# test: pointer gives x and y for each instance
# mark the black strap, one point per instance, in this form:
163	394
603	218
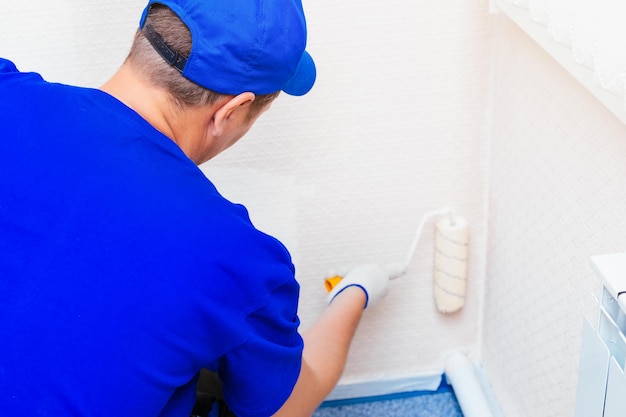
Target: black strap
209	397
170	55
208	405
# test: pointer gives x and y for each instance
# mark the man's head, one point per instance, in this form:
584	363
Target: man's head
239	45
215	60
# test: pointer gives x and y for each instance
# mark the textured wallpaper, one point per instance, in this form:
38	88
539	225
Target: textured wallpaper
80	42
557	197
396	126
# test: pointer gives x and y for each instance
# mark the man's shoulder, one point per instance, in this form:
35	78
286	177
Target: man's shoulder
7	66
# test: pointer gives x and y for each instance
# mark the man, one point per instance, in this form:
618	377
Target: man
123	271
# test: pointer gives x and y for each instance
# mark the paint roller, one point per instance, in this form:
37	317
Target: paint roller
450	260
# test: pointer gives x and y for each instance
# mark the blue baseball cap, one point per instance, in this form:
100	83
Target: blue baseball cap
241	45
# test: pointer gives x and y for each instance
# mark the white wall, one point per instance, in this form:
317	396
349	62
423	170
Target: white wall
78	42
395	127
557	197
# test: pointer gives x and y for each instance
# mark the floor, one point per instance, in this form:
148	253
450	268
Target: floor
441	403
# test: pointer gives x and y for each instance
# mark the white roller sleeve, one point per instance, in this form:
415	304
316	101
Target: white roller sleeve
450	270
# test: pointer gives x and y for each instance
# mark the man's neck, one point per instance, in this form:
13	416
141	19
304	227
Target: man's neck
148	101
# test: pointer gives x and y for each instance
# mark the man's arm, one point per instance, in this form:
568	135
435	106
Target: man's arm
326	345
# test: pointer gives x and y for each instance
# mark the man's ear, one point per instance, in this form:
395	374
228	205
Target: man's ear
232	111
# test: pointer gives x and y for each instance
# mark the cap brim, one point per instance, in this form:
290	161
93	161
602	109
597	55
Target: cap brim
304	78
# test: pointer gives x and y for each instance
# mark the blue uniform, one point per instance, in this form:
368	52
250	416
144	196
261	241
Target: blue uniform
123	271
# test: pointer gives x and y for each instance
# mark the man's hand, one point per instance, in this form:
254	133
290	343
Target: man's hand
373	279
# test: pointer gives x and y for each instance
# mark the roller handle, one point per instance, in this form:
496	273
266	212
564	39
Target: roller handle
331	282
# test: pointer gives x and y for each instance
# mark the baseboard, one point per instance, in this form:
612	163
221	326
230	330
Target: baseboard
382	388
465	377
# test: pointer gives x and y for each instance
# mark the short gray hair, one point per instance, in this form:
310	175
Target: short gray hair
147	61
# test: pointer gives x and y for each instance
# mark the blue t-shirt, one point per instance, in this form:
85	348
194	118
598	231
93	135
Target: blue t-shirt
123	271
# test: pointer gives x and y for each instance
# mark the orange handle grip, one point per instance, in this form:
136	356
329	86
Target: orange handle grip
330	283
